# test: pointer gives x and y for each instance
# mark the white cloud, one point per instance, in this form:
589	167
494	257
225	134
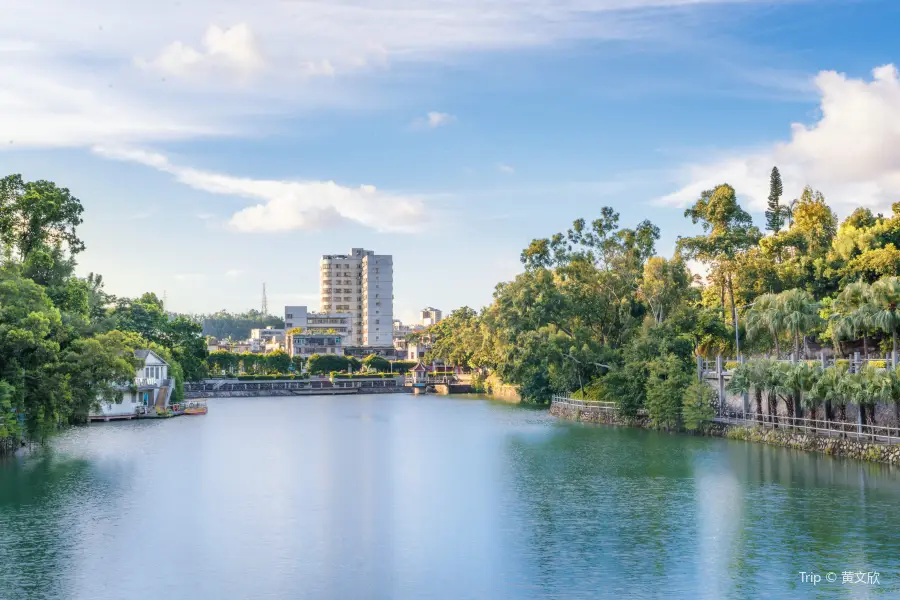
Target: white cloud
507	169
851	152
292	205
234	273
76	85
433	120
232	49
436	119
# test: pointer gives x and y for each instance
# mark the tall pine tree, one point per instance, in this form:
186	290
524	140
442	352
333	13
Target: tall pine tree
775	214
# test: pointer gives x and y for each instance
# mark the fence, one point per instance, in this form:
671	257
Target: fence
860	431
821	427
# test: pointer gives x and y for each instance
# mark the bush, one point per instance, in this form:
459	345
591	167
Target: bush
665	387
731	365
595	390
266	377
699	399
878	364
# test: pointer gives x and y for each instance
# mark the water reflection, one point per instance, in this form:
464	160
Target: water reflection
409	498
611	512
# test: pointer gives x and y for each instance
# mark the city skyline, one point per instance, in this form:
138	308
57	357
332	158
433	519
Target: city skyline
240	143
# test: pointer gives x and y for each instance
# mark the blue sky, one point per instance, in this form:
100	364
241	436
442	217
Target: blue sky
217	146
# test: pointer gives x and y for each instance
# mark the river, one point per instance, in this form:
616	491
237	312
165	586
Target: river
401	497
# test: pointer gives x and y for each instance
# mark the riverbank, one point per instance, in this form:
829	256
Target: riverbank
859	449
336	391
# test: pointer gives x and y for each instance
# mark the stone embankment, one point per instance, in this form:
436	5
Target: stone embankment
860	449
848	447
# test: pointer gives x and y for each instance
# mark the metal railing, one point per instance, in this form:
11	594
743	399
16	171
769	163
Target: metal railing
432	379
822	427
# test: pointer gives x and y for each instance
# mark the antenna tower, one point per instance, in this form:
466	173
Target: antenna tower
265	303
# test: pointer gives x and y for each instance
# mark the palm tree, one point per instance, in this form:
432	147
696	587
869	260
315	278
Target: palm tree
885	298
788	211
829	389
815	392
889	390
797	379
747	377
765	318
800	314
852	314
770	382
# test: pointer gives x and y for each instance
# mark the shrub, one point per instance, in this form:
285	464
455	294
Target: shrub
731	365
699	399
878	364
665	388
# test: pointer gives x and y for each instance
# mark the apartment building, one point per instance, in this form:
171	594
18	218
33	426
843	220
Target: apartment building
362	284
431	316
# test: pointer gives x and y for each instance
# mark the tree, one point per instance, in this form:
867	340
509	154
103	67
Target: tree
319	364
376	363
666	387
699	399
664	285
800	314
728	231
852	312
31	332
815	221
278	361
184	338
830	388
766	319
96	369
885	298
144	315
775	214
888	390
38	214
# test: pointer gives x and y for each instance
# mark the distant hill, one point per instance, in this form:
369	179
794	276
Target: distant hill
222	325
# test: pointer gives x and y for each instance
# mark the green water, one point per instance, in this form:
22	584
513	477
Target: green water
402	497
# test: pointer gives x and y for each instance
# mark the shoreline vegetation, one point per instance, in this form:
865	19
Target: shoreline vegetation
806	306
785	437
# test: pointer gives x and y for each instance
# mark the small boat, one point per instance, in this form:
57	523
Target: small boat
196	407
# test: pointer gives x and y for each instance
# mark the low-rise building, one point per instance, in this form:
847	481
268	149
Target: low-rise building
305	345
339	323
388	352
151	388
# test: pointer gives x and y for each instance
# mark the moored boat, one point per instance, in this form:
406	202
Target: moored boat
196	407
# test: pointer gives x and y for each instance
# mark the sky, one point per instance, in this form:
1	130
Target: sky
217	145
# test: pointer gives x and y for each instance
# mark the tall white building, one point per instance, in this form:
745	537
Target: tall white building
360	283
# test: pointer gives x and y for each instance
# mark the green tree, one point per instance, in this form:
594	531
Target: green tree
852	312
728	232
376	363
38	214
278	361
766	320
885	298
800	315
664	285
775	214
666	387
699	399
96	369
320	364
